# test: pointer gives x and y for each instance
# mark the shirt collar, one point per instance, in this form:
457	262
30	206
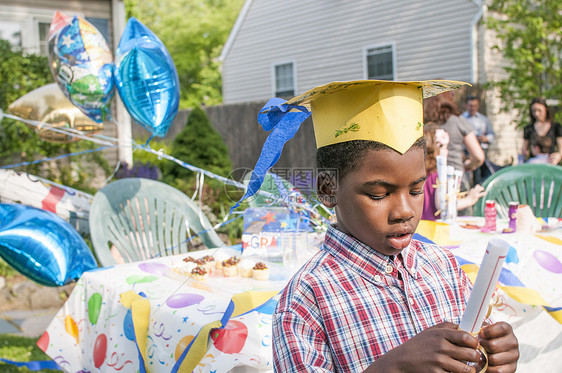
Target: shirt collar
365	260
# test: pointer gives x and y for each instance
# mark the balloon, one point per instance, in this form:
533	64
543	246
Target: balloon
100	350
180	300
231	338
42	246
43	342
146	78
94	306
82	64
139	279
548	261
128	326
155	268
182	345
71	327
48	104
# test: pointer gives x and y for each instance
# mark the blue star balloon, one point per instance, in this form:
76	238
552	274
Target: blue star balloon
42	246
146	78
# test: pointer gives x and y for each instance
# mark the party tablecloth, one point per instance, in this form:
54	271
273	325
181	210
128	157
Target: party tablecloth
144	316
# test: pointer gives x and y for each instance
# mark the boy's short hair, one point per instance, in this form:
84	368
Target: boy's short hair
347	156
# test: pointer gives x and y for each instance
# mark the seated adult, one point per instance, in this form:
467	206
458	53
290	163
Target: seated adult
543	135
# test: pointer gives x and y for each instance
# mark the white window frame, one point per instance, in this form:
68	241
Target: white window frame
366	49
274	80
29	18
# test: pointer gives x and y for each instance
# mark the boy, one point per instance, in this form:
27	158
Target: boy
374	299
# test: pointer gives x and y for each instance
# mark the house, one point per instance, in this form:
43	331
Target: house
25	23
284	48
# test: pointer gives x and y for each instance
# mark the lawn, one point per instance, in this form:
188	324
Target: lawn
20	349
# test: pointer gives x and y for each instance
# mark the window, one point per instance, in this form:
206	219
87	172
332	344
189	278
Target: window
11	31
284	80
43	32
102	24
379	62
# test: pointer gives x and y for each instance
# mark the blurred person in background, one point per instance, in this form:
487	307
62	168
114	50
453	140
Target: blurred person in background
436	140
542	135
484	133
441	109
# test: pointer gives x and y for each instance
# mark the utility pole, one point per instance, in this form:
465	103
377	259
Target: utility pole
124	133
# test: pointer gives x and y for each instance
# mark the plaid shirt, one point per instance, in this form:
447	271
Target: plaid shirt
350	304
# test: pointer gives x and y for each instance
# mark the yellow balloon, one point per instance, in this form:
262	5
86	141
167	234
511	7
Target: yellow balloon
182	345
48	104
71	327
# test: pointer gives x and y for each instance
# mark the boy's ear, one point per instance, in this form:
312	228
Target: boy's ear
326	183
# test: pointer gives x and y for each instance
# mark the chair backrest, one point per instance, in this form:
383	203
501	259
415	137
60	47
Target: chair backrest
144	218
536	185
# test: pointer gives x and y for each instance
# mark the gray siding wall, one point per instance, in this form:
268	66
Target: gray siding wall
326	41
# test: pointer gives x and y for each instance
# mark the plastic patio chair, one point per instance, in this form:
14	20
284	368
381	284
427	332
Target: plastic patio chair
536	185
143	219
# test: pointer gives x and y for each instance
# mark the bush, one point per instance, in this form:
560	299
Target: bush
200	145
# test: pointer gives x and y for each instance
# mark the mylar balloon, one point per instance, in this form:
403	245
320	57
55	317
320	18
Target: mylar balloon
82	64
48	104
42	246
146	78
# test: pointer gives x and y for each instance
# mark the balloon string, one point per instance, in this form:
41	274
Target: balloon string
112	142
57	157
69	131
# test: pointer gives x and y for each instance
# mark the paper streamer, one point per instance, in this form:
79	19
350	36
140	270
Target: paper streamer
484	285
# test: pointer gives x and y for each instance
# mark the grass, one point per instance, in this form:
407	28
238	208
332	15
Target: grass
18	348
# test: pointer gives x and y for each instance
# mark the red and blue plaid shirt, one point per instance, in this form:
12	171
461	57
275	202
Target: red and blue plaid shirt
350	304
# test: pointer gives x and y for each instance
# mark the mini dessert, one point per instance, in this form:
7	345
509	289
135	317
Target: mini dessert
219	258
246	268
199	273
189	259
210	263
182	267
261	272
230	266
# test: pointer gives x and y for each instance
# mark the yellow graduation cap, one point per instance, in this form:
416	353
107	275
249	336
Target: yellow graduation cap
380	110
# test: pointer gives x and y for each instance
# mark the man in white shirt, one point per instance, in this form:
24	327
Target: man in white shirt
484	132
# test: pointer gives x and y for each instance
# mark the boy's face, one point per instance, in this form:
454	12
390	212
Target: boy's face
381	202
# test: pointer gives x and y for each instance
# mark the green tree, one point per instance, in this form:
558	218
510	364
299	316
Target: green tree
194	32
200	145
530	32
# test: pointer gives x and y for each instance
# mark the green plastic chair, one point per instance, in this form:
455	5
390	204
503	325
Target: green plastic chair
536	185
143	219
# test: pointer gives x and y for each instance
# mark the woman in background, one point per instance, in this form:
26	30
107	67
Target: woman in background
441	109
436	140
542	136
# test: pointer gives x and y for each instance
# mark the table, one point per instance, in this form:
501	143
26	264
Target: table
95	329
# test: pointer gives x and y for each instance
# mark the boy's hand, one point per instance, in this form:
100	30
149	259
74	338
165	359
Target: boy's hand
441	348
501	345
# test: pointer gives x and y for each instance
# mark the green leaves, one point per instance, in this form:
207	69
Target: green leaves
194	32
530	37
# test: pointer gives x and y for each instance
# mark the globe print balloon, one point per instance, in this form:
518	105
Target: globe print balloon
81	64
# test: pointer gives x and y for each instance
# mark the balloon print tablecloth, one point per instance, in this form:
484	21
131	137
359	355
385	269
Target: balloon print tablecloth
118	317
